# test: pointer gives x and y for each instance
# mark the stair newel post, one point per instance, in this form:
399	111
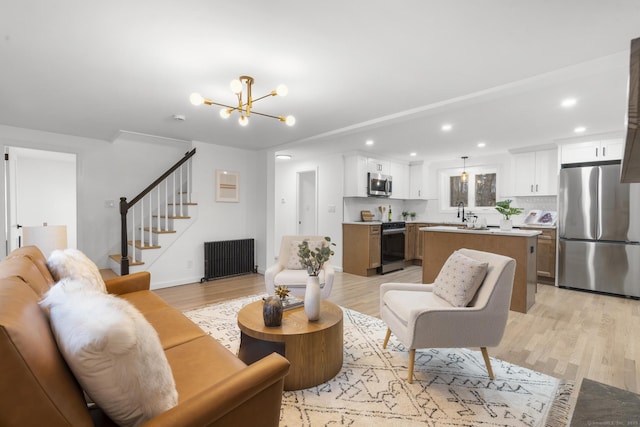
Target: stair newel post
189	181
158	213
124	260
181	192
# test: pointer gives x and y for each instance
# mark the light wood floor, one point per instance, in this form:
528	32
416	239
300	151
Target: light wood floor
566	334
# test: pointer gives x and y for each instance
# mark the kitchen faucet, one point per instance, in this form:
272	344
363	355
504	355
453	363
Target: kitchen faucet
461	205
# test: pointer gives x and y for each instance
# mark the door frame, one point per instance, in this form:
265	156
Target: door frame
12	153
302	196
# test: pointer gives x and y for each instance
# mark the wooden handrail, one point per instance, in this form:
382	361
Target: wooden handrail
125	206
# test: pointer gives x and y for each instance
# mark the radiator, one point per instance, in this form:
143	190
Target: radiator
228	258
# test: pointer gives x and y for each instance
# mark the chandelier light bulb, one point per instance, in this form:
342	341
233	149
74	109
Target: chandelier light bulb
225	113
282	90
243	120
235	86
290	121
196	99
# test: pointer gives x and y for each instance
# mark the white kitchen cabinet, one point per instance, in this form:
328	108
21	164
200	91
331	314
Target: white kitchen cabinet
356	168
355	176
422	182
400	175
536	173
592	151
379	166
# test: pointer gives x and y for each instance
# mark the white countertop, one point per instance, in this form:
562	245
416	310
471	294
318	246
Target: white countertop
495	231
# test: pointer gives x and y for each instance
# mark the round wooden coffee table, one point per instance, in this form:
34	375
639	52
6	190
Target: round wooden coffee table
314	349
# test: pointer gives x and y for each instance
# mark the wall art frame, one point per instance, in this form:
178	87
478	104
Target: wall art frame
227	186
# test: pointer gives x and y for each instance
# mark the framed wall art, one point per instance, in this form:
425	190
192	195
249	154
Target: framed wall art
227	186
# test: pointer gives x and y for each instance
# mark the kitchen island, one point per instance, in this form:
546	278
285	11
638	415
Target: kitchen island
522	245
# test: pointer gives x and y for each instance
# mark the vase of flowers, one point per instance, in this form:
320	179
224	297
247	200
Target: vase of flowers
504	207
313	260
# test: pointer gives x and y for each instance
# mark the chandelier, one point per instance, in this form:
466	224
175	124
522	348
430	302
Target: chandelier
245	106
465	176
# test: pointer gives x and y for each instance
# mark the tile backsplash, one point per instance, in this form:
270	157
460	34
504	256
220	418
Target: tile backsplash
429	211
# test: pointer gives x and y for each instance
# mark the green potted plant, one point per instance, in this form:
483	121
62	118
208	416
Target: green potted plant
312	261
412	215
505	209
405	214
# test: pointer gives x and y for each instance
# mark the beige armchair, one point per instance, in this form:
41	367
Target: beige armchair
288	271
421	319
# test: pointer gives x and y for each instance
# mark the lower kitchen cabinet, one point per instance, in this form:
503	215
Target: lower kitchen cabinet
413	241
361	248
546	258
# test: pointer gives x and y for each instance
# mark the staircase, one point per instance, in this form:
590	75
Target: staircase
158	216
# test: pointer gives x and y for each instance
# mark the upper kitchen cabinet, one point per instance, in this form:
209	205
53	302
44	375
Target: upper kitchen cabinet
356	168
379	166
536	173
422	182
355	176
400	174
592	151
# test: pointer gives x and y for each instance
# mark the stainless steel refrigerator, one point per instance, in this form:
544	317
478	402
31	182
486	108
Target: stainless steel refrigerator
599	231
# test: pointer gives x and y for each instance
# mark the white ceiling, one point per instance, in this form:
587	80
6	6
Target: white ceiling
390	71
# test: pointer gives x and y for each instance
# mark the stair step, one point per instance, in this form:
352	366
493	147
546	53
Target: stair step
142	245
156	231
183	203
118	257
172	217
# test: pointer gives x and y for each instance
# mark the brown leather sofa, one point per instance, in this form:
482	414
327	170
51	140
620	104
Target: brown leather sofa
37	388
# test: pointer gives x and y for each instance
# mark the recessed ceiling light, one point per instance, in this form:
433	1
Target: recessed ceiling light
283	156
481	144
413	154
580	129
568	103
369	142
446	127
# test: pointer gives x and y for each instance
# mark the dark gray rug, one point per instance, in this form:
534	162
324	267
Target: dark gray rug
604	405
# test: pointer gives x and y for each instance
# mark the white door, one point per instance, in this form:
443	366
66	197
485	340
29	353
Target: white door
307	205
41	190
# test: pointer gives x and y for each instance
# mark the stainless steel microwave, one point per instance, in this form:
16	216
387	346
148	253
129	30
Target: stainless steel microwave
379	185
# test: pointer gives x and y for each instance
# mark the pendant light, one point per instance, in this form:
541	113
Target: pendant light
465	176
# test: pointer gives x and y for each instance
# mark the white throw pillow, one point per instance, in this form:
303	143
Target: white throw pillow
113	351
459	279
293	263
72	263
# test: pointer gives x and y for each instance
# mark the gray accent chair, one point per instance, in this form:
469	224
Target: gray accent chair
420	319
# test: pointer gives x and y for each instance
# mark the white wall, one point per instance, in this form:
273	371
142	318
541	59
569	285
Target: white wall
330	180
106	171
109	170
183	262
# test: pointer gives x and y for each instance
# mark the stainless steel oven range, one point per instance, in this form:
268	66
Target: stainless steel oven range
392	246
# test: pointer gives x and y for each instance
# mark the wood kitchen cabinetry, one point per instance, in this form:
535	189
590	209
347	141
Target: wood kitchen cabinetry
413	241
521	245
361	248
410	239
546	258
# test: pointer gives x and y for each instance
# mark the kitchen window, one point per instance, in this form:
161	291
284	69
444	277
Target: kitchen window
478	193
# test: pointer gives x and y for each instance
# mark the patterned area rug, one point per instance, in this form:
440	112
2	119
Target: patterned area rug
451	386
